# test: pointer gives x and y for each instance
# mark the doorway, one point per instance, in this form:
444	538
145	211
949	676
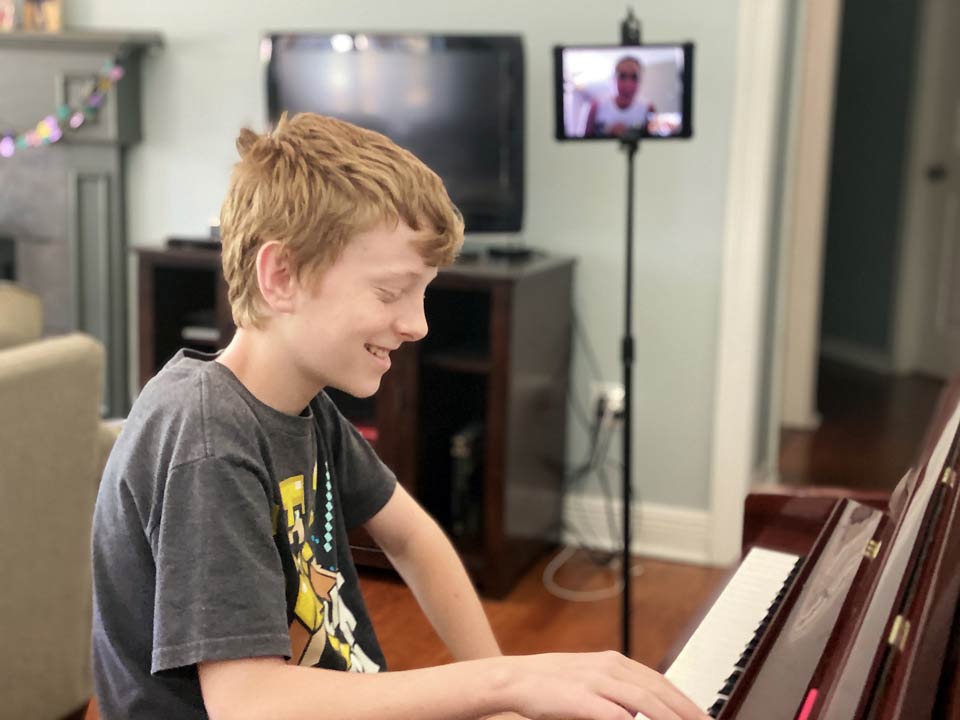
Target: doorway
865	381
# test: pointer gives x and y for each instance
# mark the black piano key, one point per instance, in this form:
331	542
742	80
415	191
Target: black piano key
741	664
734	676
730	683
715	709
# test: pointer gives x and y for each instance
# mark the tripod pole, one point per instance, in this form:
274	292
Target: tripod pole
629	142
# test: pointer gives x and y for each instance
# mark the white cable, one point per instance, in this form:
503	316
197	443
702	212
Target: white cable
606	425
557	590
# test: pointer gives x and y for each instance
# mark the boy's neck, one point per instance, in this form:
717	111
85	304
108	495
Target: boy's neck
258	365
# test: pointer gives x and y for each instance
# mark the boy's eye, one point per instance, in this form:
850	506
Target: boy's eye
388	296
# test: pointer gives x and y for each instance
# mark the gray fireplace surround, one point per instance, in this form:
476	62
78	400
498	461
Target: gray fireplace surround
62	217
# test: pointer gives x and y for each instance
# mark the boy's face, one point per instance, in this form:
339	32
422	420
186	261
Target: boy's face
362	307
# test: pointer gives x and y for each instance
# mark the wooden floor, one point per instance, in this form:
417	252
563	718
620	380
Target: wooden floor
871	430
531	620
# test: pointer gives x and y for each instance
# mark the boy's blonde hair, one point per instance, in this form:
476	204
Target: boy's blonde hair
312	184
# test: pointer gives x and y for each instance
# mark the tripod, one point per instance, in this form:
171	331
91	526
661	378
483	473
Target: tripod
629	141
629	35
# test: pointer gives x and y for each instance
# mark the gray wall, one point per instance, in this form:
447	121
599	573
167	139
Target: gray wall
207	82
870	141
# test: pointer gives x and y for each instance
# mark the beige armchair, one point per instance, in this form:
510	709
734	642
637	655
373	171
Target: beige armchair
52	448
21	315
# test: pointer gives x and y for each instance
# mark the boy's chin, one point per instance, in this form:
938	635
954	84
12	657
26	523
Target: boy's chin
359	389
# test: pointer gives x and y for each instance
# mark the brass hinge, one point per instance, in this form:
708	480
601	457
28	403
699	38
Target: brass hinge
872	549
899	633
949	477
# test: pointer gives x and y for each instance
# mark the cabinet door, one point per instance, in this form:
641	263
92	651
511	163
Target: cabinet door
395	439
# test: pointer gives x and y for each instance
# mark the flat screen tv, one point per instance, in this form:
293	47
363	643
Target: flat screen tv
455	101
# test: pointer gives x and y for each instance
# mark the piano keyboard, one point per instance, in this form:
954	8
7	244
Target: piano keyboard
713	659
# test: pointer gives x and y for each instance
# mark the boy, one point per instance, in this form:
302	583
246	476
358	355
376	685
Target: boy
223	581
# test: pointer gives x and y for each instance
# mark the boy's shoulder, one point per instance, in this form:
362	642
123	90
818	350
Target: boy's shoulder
196	408
187	406
191	382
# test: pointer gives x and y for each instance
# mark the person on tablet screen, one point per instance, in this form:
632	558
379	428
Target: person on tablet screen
612	115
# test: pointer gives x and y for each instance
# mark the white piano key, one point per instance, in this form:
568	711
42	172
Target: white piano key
708	658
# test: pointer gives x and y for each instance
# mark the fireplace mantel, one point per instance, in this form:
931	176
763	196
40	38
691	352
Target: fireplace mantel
62	207
104	41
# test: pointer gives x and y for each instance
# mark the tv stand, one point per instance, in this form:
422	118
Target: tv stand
194	243
512	253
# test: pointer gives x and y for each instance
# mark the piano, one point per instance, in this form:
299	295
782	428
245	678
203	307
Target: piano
845	605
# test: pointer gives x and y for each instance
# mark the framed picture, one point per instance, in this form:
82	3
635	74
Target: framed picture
8	15
43	15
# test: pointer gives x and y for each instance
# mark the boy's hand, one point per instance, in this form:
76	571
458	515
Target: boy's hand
592	686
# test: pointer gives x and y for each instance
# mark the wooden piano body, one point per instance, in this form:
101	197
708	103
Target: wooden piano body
867	624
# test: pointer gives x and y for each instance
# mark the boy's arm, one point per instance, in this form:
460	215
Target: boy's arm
589	686
425	559
255	688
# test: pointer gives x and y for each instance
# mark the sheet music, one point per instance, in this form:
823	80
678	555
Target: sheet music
711	654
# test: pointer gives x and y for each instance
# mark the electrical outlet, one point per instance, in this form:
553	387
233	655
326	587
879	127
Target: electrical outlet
607	396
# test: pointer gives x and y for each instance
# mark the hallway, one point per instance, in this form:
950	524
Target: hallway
871	430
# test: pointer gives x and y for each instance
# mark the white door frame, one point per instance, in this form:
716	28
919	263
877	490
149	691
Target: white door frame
760	43
760	53
805	216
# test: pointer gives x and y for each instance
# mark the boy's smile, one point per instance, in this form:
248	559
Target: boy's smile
381	354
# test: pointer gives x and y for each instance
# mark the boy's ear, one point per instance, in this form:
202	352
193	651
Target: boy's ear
276	277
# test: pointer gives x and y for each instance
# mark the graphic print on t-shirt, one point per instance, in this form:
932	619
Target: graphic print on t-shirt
322	631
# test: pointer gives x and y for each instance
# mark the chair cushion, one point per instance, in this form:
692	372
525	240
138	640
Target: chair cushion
21	315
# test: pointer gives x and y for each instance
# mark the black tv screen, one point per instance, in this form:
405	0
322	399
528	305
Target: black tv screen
455	101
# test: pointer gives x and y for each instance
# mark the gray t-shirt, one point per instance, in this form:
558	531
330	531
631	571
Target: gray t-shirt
220	532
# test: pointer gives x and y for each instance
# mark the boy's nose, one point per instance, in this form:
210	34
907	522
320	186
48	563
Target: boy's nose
412	325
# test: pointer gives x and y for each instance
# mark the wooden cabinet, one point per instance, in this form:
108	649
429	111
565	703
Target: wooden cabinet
472	419
182	303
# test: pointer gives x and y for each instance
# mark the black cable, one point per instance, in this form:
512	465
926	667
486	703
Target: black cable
591	356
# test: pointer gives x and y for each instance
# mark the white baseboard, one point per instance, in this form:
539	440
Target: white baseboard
665	532
857	355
